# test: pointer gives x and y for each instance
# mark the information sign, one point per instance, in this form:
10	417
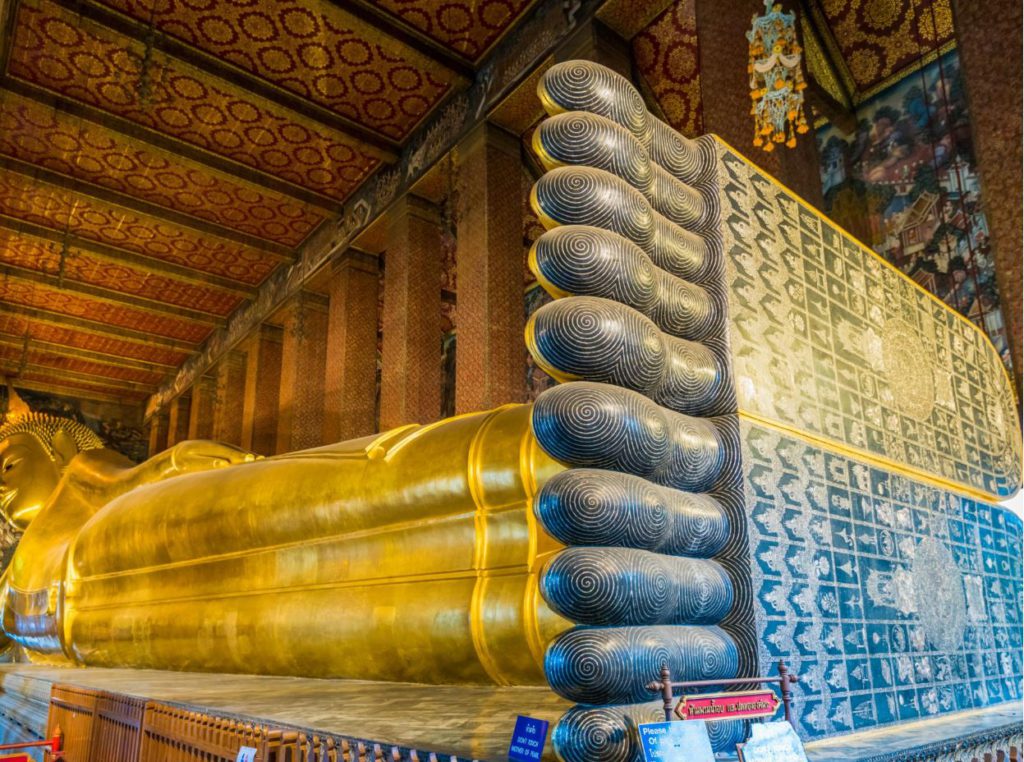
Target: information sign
772	742
728	706
246	754
528	740
675	742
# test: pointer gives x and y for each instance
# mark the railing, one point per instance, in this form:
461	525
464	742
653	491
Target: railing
53	746
667	688
110	727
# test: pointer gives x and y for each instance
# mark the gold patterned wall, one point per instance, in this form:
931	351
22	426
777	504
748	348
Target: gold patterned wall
830	341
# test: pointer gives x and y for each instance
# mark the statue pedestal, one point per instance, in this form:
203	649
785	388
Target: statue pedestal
469	723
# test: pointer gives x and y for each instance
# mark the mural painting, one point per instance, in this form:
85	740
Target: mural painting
910	172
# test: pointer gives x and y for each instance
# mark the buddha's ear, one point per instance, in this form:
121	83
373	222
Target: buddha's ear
64	448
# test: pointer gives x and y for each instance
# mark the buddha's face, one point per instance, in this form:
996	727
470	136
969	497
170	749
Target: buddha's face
28	476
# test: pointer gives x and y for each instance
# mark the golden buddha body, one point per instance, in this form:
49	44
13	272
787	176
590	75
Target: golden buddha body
360	559
582	541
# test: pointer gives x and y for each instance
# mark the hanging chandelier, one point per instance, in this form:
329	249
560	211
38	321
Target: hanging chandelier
776	78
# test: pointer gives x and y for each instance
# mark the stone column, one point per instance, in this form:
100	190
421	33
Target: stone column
262	390
177	423
350	382
303	361
411	362
227	416
725	89
158	433
489	257
200	417
989	42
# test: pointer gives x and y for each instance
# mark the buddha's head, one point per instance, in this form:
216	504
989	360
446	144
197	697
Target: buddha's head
35	448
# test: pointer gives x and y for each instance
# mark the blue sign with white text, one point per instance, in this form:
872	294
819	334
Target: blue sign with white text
528	740
676	741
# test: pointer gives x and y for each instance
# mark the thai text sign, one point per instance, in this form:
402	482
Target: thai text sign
728	706
528	739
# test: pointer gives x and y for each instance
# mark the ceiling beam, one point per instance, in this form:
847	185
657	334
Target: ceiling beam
539	34
167	143
110	296
85	354
384	22
830	46
273	249
62	390
374	142
121	257
102	329
12	369
44	361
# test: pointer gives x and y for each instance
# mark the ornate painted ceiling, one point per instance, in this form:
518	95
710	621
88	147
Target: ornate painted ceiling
160	159
855	48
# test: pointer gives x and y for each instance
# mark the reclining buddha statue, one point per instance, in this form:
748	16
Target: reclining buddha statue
725	356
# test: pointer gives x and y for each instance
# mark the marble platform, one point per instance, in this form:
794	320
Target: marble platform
472	723
922	739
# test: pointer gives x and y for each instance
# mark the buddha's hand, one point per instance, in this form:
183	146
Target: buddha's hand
203	455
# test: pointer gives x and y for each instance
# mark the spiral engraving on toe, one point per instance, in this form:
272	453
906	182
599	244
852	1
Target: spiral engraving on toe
586	86
683	158
587	196
596	735
608	734
598	340
694	455
625	586
680	203
582	139
610	665
691	376
585	506
601	426
682	309
588	261
677	251
586	424
592	339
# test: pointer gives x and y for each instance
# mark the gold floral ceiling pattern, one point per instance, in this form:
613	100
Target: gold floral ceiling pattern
15	291
37	255
24	198
56	50
870	42
314	49
880	38
468	27
91	342
160	159
37	134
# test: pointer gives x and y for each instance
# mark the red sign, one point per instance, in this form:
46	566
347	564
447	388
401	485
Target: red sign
15	758
728	706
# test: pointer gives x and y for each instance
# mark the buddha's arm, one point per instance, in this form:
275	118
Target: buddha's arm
91	480
103	475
